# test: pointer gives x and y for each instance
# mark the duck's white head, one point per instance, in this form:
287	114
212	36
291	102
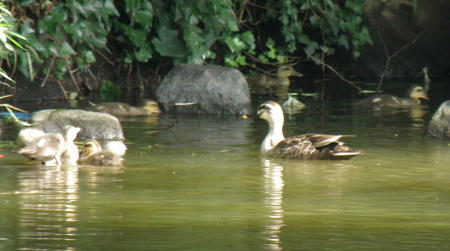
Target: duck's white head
273	114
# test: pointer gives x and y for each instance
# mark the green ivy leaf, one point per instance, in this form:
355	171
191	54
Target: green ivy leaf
66	50
144	54
168	43
89	57
234	44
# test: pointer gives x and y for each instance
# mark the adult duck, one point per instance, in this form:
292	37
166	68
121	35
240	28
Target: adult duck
414	96
93	154
304	147
53	148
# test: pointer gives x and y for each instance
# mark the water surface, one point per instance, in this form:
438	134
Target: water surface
199	183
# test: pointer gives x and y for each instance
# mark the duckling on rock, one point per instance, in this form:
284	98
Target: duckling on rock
304	147
415	94
119	109
92	154
50	147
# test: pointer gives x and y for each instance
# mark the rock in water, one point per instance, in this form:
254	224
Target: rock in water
210	89
439	126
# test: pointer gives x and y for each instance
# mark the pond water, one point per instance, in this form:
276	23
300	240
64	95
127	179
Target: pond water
199	183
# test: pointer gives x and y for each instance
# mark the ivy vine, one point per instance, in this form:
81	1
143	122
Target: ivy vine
68	36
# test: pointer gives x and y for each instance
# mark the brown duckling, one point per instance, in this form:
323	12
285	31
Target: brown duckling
263	83
92	154
415	94
304	147
125	110
50	147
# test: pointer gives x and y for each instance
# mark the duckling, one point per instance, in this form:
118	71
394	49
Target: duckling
125	110
304	147
28	134
50	147
92	154
263	83
71	155
293	105
415	94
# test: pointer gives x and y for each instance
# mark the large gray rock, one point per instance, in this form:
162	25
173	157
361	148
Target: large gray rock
439	126
207	89
94	125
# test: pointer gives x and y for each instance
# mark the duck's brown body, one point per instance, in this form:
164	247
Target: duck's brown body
312	147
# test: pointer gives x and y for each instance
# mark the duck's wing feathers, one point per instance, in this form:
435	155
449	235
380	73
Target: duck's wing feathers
321	140
313	146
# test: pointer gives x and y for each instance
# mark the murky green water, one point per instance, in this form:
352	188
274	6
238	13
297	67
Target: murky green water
200	184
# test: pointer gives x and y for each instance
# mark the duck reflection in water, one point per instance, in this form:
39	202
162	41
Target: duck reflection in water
273	201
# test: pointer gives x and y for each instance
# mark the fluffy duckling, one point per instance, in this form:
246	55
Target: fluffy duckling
304	147
261	83
71	155
293	105
415	94
50	147
28	134
125	110
92	154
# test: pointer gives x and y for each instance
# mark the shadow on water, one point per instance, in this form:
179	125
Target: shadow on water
194	183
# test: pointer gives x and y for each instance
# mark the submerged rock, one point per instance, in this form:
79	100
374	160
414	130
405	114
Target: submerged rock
439	126
94	125
207	89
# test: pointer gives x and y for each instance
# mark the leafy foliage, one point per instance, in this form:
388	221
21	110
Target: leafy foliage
320	27
7	38
67	36
109	91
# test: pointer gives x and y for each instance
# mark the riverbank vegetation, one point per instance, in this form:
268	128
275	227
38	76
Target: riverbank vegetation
65	39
